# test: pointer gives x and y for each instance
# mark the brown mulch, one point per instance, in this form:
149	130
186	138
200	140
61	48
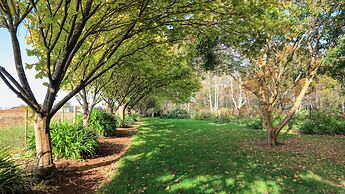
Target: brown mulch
334	150
83	177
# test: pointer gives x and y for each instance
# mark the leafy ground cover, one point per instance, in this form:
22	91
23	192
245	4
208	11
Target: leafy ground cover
193	156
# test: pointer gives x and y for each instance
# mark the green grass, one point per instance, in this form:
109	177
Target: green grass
192	156
14	138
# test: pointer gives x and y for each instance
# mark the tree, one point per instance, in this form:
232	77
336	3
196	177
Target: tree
63	33
90	96
282	45
158	69
334	62
289	62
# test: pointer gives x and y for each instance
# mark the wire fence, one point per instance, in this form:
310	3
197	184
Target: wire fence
16	124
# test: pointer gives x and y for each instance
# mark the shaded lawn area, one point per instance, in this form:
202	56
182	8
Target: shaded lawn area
192	156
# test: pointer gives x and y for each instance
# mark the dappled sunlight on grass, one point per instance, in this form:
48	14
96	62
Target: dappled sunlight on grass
192	156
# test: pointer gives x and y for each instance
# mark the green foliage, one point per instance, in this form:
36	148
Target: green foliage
177	114
135	117
132	118
206	49
11	178
121	123
298	119
129	120
254	122
103	123
334	62
224	115
70	141
323	123
202	115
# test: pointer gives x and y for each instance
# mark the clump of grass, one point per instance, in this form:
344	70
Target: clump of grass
70	141
11	177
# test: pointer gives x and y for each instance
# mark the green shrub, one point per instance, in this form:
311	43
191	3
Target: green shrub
129	120
252	122
134	117
224	115
177	114
204	115
71	141
121	122
103	123
298	119
11	178
323	123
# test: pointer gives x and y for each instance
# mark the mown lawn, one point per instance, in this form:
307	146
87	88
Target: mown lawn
192	156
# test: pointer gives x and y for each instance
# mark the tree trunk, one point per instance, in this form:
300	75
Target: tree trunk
121	111
273	137
111	110
271	131
124	111
45	167
110	107
86	118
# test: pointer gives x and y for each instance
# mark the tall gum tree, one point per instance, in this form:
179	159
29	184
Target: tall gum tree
62	30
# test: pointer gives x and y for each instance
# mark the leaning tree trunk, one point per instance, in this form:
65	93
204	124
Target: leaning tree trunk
122	111
86	118
45	167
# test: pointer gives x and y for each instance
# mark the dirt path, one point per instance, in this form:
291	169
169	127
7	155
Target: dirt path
79	177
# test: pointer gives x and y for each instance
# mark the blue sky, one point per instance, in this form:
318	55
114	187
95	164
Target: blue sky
7	97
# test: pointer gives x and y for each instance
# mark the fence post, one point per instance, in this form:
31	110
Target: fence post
26	124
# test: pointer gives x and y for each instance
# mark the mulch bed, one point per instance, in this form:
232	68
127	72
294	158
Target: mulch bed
85	176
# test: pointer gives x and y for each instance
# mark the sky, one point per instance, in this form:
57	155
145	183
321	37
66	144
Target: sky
7	98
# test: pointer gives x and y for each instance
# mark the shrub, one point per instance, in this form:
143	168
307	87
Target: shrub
11	178
129	120
71	141
135	117
103	123
323	123
121	122
204	116
223	115
252	122
177	114
298	119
